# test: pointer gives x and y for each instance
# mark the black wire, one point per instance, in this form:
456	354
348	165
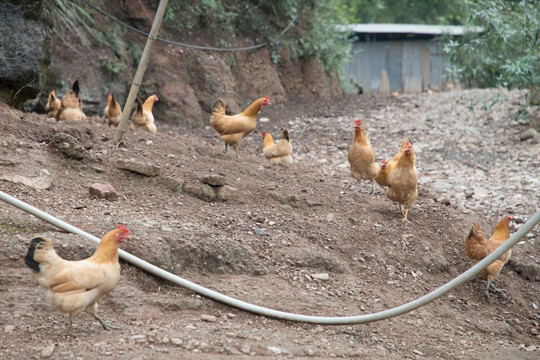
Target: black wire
258	46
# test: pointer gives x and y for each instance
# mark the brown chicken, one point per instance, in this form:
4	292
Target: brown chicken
280	153
143	117
113	112
402	180
478	247
71	105
76	286
382	177
233	128
362	157
53	104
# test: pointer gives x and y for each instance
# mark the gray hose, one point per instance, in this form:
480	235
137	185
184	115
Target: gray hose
345	320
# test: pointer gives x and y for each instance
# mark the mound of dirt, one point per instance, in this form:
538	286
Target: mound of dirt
305	238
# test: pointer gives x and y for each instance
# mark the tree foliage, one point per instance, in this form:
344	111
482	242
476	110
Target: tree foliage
440	12
507	52
246	22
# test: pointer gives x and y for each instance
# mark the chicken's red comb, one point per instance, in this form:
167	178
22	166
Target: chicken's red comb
357	121
123	228
384	161
263	133
266	98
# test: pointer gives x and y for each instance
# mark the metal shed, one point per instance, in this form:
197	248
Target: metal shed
400	57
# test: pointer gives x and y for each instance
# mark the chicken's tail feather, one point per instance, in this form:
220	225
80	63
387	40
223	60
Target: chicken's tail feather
75	87
285	134
29	258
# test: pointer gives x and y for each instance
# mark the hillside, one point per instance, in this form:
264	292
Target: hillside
283	227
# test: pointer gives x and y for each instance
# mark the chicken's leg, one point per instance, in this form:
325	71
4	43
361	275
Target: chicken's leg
405	213
372	189
401	209
70	326
226	148
103	323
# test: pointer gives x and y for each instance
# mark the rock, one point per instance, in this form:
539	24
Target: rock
47	351
208	193
41	182
26	28
208	318
9	328
528	134
139	168
138	338
213	180
245	349
103	191
201	191
68	145
177	341
225	193
260	232
173	184
321	276
330	217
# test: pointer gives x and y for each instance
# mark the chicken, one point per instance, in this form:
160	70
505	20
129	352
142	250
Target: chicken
76	286
143	117
362	157
71	105
233	128
478	247
402	180
279	153
386	167
113	111
53	104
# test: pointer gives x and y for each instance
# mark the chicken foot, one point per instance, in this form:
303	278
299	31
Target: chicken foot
496	289
103	323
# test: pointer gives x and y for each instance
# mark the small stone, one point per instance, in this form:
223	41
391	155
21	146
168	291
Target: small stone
246	349
208	318
214	180
173	184
9	328
176	341
528	134
264	120
321	276
225	193
103	191
138	338
330	217
260	232
138	167
47	351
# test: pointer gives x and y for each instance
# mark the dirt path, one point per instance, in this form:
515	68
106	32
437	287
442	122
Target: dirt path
285	228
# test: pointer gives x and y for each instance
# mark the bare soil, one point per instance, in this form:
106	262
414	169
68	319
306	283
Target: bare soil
264	246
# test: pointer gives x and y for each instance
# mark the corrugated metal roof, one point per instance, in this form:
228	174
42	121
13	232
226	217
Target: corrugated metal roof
408	29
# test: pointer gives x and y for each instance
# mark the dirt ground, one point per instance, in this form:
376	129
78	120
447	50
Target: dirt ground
306	238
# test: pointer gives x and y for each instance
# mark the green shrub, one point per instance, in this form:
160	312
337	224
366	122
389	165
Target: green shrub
506	53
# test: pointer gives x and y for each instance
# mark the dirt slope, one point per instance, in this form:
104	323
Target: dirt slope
284	227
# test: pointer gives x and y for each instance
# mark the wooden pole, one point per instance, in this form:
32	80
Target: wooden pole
140	72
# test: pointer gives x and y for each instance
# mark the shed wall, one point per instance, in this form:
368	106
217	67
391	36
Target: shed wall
411	65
